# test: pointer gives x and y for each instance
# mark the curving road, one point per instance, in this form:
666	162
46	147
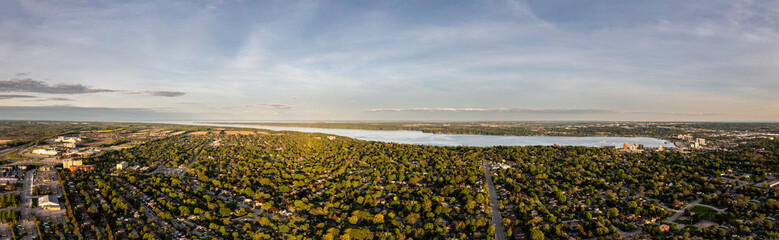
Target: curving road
497	219
678	214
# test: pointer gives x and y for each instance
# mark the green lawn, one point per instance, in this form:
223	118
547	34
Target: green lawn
704	212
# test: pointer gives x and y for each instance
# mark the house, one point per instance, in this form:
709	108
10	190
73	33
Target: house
664	228
48	203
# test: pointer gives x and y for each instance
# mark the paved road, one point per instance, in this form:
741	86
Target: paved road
194	159
681	211
15	149
497	219
720	210
623	234
659	204
26	223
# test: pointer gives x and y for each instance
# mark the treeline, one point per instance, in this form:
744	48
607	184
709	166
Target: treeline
9	200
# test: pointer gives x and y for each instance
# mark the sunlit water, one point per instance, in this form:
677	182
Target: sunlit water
418	137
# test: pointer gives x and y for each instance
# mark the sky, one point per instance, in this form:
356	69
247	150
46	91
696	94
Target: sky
389	60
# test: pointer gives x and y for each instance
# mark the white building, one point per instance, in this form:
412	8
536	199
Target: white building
48	202
67	139
51	152
122	165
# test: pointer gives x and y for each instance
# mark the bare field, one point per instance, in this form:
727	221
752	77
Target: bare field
239	132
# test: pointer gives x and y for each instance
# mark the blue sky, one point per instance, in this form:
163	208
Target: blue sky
390	60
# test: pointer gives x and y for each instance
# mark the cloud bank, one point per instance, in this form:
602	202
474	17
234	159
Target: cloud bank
30	85
36	86
6	96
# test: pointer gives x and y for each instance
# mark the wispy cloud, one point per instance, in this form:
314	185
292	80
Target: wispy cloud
190	103
259	105
158	93
59	99
36	86
351	102
5	96
35	98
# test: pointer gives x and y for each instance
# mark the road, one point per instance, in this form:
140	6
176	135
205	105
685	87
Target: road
681	211
720	210
194	159
497	219
659	204
26	222
623	234
15	149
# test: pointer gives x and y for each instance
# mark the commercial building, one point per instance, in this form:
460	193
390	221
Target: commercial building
50	152
48	202
122	165
82	168
67	139
67	163
46	168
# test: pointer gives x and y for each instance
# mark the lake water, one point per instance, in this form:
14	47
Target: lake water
417	137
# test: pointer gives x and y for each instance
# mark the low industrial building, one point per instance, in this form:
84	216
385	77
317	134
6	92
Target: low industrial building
50	152
67	139
49	202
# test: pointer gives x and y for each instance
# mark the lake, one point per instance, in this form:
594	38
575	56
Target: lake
418	137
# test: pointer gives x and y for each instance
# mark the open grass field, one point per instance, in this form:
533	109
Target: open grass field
704	212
